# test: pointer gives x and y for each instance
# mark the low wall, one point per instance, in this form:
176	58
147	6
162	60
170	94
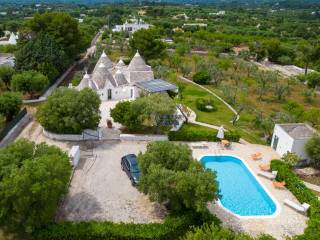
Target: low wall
16	130
86	135
142	137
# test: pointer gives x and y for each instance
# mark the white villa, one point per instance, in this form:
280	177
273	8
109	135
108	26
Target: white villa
119	81
131	27
11	41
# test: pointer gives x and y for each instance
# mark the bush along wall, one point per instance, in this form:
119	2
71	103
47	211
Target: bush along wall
172	228
303	194
190	132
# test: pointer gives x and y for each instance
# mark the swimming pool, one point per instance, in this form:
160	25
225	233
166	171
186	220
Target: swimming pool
240	191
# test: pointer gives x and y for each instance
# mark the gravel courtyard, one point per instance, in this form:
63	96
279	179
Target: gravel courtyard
100	190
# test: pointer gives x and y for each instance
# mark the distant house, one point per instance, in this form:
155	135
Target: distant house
136	25
11	41
220	13
292	137
195	25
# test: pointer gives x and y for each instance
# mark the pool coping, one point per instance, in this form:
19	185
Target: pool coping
278	207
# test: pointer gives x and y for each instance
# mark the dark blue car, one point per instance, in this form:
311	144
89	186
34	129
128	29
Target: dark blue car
129	164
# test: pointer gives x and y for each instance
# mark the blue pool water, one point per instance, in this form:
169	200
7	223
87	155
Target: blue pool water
240	191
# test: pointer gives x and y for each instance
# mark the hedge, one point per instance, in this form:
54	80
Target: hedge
172	228
303	194
192	132
202	104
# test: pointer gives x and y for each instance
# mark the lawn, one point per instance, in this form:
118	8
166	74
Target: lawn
222	116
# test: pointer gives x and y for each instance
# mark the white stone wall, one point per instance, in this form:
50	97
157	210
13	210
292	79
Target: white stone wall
92	135
118	93
285	142
141	137
299	148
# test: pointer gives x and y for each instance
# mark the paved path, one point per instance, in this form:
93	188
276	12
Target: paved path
213	94
192	119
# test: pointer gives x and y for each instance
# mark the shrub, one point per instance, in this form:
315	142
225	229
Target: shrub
210	232
170	175
120	111
155	111
29	82
6	74
313	150
69	111
313	79
303	194
172	228
205	105
291	159
191	132
10	104
201	77
32	180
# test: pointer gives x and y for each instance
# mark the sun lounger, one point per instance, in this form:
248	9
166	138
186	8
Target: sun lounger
270	175
199	145
256	156
277	184
264	167
303	208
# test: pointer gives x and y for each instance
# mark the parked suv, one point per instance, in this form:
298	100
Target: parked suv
129	164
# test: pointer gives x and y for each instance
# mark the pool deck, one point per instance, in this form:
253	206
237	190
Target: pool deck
286	222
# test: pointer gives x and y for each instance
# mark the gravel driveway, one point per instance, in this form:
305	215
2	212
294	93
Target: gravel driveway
100	190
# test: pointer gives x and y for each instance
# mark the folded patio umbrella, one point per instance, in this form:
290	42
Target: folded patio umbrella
220	133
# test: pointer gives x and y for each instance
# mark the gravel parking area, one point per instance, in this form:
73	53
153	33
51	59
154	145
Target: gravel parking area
100	190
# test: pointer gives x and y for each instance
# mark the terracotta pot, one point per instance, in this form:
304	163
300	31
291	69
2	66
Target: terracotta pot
109	123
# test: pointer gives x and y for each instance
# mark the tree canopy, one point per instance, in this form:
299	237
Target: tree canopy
69	111
29	82
170	175
6	74
153	111
62	27
43	54
10	104
313	150
148	44
32	180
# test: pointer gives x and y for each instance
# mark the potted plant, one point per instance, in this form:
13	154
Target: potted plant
109	123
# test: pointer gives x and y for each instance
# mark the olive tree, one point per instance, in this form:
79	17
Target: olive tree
313	149
69	111
10	104
32	181
170	175
29	82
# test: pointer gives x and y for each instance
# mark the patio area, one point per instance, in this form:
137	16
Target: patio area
287	222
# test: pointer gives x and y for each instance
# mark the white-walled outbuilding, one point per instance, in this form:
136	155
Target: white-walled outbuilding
292	137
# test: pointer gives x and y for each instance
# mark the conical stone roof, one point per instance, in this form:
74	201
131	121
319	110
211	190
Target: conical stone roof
101	75
84	82
105	60
120	64
138	64
120	78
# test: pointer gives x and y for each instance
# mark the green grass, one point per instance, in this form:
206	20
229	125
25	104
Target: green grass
222	116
